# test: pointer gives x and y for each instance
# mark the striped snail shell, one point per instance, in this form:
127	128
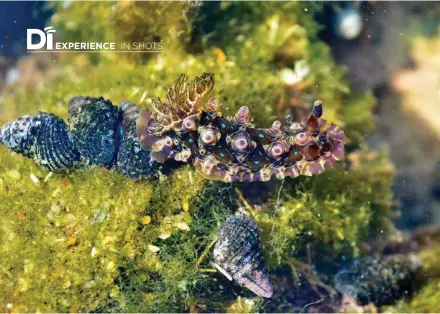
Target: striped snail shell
44	138
238	255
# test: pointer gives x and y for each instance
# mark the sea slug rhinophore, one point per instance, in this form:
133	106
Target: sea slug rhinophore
185	128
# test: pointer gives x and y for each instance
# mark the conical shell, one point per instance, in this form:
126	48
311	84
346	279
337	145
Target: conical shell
238	255
93	124
16	135
44	138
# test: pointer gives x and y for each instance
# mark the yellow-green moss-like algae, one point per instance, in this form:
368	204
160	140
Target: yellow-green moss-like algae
95	241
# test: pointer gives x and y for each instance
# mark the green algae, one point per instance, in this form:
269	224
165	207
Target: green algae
96	241
425	301
322	210
54	243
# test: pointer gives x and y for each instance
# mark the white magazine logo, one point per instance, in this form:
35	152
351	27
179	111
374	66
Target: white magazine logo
42	41
45	38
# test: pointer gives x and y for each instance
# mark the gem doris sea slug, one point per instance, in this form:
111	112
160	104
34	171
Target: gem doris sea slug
185	128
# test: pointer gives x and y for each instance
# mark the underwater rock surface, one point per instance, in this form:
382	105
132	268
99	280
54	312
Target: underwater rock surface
379	280
238	255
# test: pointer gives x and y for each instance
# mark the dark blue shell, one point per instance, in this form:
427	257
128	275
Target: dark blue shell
132	160
379	280
100	134
15	135
93	125
44	138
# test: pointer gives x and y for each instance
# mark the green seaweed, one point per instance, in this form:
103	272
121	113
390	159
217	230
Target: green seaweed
322	210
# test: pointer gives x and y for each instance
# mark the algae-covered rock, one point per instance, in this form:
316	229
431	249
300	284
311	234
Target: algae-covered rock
93	240
426	300
379	280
